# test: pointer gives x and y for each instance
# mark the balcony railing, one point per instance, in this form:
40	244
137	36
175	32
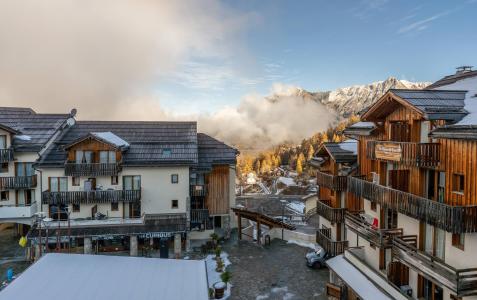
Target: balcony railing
6	155
455	219
336	183
333	248
463	282
411	154
381	238
103	196
18	182
92	169
198	190
17	212
334	215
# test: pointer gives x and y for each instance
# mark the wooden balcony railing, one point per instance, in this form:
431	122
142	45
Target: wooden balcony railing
18	182
333	248
463	282
92	169
6	155
412	154
336	183
381	238
198	190
103	196
334	215
455	219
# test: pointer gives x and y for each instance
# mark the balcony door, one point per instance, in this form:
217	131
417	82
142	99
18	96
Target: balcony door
133	183
3	141
429	290
84	157
400	131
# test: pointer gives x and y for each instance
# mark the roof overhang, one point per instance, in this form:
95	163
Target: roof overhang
386	105
91	136
9	129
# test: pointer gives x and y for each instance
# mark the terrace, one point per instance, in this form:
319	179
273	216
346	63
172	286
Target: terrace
323	238
92	169
336	183
18	182
97	196
334	215
6	155
381	238
412	154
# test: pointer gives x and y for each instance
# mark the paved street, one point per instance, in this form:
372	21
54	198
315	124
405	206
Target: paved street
277	271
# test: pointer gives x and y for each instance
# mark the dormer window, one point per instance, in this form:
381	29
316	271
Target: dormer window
84	157
107	157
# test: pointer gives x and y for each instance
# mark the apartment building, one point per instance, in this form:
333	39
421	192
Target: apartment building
24	136
416	236
334	162
130	186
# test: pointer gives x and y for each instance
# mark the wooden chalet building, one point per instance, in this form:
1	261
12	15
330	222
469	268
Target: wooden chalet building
417	234
108	186
334	162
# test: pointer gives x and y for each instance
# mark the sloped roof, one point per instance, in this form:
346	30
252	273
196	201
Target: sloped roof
360	128
346	151
151	143
447	80
37	129
214	152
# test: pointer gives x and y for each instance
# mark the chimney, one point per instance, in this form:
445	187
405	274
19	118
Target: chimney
463	69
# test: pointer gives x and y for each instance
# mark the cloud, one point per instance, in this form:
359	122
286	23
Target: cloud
366	8
260	122
98	55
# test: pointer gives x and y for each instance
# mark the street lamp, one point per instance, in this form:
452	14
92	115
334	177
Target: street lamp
284	203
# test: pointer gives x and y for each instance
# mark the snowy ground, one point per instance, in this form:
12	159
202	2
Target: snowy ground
212	275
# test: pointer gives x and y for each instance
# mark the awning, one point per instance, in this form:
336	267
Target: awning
356	280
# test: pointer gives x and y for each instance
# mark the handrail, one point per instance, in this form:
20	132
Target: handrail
18	182
409	153
334	182
333	248
96	196
334	215
6	155
455	219
92	169
380	237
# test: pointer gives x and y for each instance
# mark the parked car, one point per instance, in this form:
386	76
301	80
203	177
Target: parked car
316	259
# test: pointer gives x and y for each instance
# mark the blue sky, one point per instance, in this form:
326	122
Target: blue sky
323	45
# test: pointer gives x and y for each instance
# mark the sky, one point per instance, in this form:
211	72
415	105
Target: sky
323	45
215	61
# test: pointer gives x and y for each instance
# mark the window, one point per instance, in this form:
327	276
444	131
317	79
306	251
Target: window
114	180
4	168
75	181
175	178
84	157
114	206
458	240
58	184
25	197
3	141
197	179
132	182
175	204
4	196
373	206
24	169
166	152
76	208
458	183
106	157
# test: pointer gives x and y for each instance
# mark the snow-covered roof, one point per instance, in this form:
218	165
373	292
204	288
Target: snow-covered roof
346	151
76	277
287	181
111	138
363	125
355	279
349	145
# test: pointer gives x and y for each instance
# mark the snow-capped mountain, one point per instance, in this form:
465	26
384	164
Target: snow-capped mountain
352	99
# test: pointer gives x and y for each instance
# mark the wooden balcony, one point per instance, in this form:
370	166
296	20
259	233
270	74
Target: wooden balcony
92	169
103	196
462	282
18	182
381	238
6	155
455	219
425	155
334	215
333	248
198	190
336	183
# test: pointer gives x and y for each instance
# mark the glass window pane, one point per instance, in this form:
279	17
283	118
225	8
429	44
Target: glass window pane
127	182
88	157
79	156
440	242
137	183
20	169
3	141
112	157
53	184
21	198
103	157
63	184
429	245
29	171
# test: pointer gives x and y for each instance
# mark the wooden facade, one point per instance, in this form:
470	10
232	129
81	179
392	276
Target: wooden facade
93	145
217	198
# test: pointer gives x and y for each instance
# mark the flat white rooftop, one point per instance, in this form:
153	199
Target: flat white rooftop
97	277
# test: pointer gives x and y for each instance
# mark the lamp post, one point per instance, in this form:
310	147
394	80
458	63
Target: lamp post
284	203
